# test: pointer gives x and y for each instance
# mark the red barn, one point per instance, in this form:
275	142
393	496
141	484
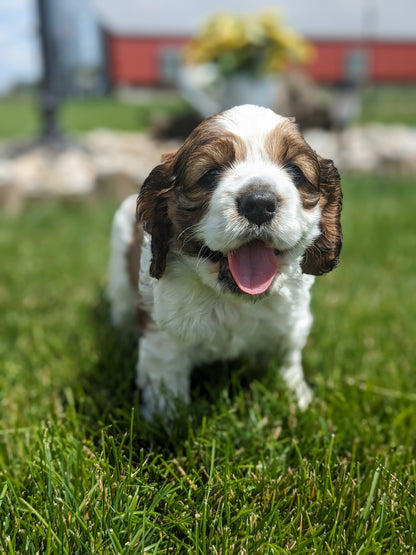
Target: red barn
371	36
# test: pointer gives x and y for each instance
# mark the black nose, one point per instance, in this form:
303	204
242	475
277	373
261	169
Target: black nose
257	206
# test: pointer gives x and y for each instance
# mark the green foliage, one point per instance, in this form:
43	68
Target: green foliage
242	471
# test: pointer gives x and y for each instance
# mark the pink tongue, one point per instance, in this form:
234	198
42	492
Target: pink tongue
253	267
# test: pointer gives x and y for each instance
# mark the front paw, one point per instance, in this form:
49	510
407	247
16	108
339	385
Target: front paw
161	404
303	394
297	386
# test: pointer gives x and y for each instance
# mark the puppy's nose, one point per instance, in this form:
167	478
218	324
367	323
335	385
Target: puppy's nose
258	207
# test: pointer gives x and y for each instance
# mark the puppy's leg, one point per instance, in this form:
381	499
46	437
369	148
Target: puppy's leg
163	372
291	369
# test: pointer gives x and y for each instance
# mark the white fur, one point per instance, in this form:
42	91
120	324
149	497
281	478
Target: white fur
193	320
120	293
252	124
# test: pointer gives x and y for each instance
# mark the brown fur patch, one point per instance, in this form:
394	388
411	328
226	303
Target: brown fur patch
323	255
210	151
286	146
152	212
320	185
133	255
143	318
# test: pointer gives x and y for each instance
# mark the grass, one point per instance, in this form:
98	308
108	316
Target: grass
242	471
19	116
389	104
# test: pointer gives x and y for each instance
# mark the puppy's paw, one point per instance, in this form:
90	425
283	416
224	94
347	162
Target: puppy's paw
304	395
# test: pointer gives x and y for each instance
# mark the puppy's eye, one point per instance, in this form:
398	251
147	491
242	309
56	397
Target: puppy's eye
210	178
296	174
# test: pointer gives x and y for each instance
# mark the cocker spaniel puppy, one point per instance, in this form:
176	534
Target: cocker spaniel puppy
217	259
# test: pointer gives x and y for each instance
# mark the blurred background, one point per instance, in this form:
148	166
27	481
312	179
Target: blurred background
91	69
93	92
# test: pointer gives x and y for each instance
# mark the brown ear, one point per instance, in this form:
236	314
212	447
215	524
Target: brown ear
152	212
323	255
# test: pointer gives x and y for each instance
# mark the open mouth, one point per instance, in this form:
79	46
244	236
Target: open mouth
251	268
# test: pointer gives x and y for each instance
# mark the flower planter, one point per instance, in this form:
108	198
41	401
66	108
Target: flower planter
248	89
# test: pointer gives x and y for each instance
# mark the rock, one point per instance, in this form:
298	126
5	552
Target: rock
71	172
370	148
133	153
116	163
303	99
117	184
11	196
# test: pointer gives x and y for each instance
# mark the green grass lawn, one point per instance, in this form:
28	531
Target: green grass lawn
243	471
19	115
389	104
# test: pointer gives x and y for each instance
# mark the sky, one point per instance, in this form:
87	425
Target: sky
19	51
19	45
315	18
20	59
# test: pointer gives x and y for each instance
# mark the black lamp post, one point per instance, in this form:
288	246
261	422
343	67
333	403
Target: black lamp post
58	41
50	94
50	136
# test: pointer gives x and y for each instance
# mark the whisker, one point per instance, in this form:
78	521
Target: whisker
186	229
199	258
191	229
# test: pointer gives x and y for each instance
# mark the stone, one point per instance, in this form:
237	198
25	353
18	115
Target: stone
116	163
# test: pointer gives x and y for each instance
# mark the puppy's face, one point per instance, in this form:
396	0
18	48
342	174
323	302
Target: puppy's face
243	198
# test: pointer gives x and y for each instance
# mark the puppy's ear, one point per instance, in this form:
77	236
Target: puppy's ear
323	255
152	212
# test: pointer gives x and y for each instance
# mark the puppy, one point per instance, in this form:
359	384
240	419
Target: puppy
217	259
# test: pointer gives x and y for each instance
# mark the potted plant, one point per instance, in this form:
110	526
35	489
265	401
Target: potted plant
248	52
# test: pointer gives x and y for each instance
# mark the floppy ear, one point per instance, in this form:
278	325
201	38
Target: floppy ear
152	212
323	255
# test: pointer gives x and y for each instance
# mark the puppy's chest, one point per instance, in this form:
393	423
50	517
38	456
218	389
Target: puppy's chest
217	327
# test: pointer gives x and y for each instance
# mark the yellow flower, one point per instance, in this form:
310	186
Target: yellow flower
252	43
222	33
